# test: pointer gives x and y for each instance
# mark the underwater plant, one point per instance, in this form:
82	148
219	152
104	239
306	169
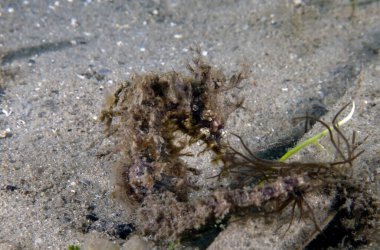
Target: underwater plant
151	112
156	116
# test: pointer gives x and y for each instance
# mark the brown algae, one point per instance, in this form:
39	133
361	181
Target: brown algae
146	112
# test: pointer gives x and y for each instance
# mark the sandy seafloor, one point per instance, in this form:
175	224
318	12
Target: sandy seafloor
60	58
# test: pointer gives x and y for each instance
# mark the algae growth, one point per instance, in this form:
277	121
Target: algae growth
156	116
150	111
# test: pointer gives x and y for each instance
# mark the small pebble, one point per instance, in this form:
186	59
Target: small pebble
377	67
5	133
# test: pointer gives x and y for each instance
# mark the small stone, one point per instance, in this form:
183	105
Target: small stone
5	133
